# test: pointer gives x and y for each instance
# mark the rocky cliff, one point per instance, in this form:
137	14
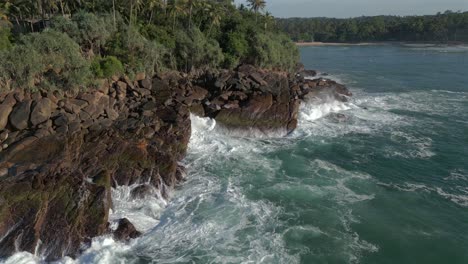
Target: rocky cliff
62	152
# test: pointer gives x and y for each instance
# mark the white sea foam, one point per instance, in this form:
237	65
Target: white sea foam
414	146
454	195
339	78
457	175
363	114
320	107
143	212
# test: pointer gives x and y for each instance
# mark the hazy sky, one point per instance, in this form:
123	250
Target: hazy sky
352	8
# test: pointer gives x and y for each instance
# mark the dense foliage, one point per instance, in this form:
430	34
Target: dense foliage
45	60
443	27
67	44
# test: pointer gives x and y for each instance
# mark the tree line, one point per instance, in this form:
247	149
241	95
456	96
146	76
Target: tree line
63	44
442	27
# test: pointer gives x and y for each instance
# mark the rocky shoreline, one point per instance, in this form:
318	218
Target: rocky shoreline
62	152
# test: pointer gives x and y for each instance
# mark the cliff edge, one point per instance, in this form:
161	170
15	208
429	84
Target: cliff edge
62	152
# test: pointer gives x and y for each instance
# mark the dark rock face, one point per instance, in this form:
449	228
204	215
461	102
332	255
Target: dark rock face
61	161
126	230
60	155
267	101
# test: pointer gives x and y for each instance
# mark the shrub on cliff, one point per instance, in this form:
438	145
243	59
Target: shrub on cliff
195	50
271	50
90	31
5	35
48	60
236	49
107	67
136	52
243	41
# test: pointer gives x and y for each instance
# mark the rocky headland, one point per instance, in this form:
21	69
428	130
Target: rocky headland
62	152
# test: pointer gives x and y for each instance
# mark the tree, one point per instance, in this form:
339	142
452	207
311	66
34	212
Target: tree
5	26
176	8
152	6
269	19
256	6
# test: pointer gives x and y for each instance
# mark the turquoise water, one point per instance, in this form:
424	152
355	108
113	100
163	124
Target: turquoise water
387	183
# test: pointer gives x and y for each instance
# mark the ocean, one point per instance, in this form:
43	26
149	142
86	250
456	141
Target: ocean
382	178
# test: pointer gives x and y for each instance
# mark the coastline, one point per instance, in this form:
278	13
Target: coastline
124	132
313	44
318	43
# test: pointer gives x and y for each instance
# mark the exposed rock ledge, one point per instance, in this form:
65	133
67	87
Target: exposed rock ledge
60	154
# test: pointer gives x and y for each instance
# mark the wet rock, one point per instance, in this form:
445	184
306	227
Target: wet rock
141	191
181	173
126	230
308	73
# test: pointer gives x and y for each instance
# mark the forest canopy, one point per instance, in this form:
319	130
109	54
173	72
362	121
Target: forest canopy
442	27
102	38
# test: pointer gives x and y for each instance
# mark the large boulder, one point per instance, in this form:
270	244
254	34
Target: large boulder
250	99
5	109
126	230
41	111
19	117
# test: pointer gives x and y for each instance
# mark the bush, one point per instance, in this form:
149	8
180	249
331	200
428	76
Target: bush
270	50
136	52
5	35
159	34
49	60
194	50
236	49
111	66
88	30
107	67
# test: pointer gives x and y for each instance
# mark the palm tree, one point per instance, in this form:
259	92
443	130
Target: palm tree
4	11
152	5
190	5
215	13
268	19
176	8
135	6
256	6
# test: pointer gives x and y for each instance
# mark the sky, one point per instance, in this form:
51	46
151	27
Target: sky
353	8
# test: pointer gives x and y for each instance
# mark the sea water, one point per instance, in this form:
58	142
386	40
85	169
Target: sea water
382	178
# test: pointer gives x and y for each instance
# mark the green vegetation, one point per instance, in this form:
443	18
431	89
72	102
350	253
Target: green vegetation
66	44
107	67
5	30
443	27
44	60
